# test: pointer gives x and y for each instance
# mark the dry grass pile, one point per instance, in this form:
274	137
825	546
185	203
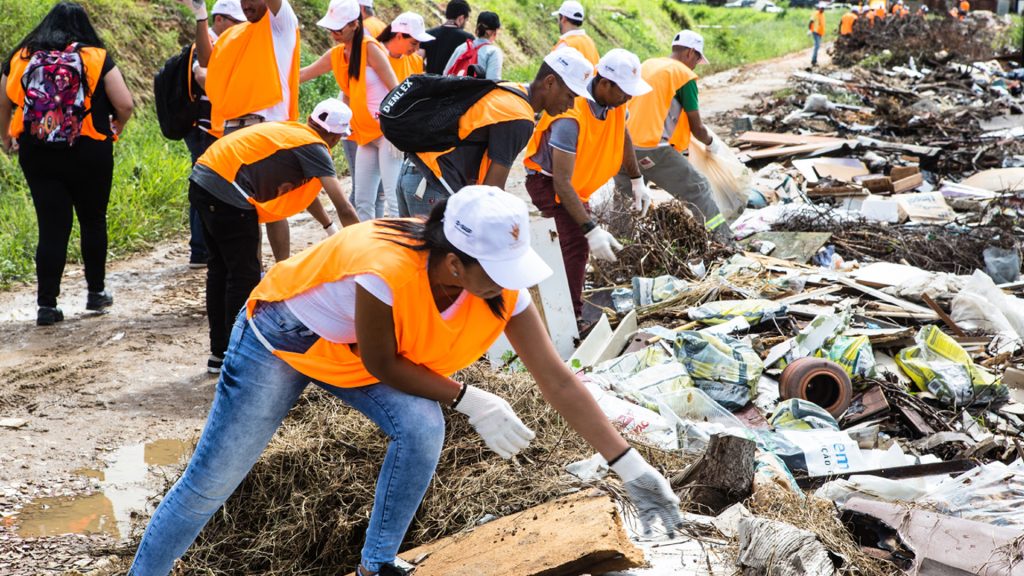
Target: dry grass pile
663	242
305	506
819	516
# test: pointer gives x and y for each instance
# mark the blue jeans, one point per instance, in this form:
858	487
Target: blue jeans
409	204
254	394
197	142
817	45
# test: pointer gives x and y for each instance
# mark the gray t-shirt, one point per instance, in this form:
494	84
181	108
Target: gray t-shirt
488	56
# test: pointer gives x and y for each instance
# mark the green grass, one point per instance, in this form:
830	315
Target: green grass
148	199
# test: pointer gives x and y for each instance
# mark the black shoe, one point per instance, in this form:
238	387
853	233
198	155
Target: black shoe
213	364
48	316
399	568
196	262
97	301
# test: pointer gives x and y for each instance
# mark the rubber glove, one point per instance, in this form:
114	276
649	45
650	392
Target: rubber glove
716	147
602	243
641	195
331	230
198	7
650	492
495	421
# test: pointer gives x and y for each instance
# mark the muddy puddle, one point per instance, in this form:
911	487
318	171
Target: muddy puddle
133	474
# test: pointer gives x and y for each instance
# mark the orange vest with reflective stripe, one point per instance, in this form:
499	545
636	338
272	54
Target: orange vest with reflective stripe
373	26
583	43
365	127
243	147
406	66
495	107
421	335
598	147
92	60
846	24
243	77
649	112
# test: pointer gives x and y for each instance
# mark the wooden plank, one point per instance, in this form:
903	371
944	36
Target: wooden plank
899	302
778	139
894	473
907	184
578	534
809	295
942	315
792	150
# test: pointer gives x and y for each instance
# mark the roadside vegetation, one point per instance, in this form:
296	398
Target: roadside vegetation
149	200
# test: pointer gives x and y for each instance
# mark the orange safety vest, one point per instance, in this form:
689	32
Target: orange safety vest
598	147
583	43
421	335
846	24
495	107
405	66
229	153
365	126
965	6
373	26
92	60
818	23
880	12
649	112
237	80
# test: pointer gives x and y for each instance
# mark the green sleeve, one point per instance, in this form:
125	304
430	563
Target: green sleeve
687	96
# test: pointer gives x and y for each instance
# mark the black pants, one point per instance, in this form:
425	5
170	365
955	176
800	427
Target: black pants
232	238
65	182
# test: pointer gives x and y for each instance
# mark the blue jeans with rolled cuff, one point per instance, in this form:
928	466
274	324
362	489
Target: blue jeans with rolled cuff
255	392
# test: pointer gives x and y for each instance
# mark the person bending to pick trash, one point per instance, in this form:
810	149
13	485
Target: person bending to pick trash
380	316
573	154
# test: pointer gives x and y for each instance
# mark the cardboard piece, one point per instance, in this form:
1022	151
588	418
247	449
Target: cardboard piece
926	208
882	274
997	180
842	169
882	209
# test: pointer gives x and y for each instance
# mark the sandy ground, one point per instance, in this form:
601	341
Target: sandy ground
98	411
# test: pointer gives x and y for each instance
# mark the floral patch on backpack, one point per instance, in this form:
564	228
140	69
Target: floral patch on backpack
55	95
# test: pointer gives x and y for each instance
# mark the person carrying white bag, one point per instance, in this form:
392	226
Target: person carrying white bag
661	124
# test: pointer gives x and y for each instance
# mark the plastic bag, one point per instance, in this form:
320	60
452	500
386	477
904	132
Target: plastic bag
753	311
980	305
941	366
635	422
730	179
647	291
634	362
797	414
1002	264
853	353
991	493
726	368
697	416
645	386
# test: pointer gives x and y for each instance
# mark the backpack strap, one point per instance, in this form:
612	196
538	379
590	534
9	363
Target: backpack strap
514	90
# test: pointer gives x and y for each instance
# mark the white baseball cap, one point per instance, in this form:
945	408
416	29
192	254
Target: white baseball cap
333	115
412	24
339	14
493	226
367	3
690	39
575	70
230	8
623	68
570	9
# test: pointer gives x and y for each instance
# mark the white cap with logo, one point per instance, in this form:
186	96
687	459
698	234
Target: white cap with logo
573	68
412	24
623	68
230	8
570	9
339	14
493	226
690	39
333	115
367	3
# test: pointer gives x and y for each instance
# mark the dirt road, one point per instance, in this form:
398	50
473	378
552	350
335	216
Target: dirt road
96	412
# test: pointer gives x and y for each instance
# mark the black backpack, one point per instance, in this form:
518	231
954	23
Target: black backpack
177	95
422	113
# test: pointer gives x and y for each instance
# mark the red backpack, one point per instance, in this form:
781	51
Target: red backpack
466	59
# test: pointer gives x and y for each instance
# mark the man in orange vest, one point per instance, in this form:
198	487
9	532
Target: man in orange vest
495	130
965	7
570	21
262	173
371	24
847	22
661	124
573	154
816	28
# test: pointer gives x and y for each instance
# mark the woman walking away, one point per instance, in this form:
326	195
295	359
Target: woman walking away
63	103
381	315
480	58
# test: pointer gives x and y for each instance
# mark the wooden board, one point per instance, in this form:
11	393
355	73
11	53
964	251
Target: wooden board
883	274
578	534
773	139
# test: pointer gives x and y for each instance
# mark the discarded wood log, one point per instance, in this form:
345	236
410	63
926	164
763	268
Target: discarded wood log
907	184
578	534
722	476
772	548
942	315
894	473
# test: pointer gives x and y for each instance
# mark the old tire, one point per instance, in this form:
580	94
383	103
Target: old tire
820	381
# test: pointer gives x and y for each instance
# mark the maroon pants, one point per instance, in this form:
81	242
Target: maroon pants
575	248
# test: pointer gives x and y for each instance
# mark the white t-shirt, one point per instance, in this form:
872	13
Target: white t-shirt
329	309
376	90
283	26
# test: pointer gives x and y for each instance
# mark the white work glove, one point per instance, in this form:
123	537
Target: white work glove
716	147
650	492
641	195
601	244
331	230
495	421
198	7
